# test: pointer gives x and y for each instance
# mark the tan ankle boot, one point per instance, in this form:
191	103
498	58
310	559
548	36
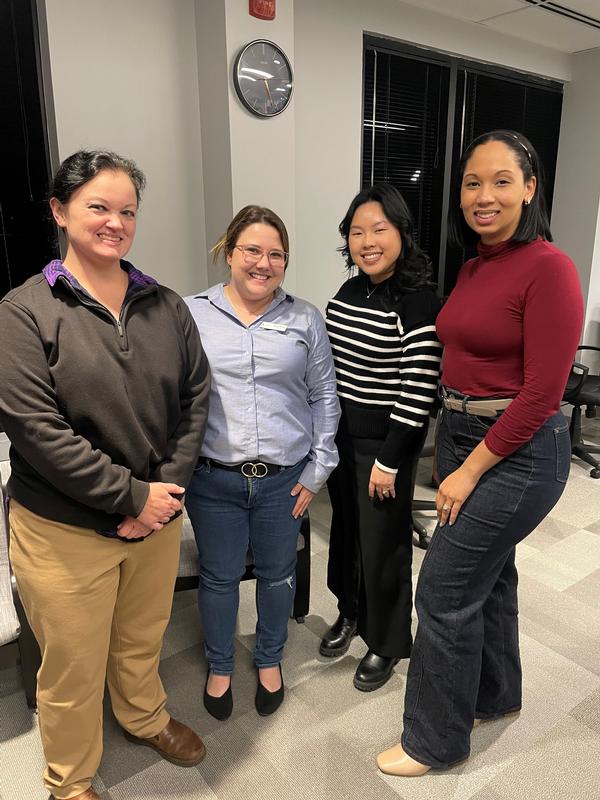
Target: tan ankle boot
396	762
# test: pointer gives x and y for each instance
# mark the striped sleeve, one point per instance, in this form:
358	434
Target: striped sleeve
419	370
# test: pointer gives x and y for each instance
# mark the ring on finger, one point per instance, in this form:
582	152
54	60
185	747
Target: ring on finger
446	508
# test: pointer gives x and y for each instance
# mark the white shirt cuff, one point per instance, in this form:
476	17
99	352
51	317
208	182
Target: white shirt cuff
385	469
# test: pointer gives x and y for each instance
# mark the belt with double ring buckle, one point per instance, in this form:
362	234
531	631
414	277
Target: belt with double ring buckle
477	408
249	469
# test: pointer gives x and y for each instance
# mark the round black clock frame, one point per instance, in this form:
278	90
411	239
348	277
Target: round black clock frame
263	78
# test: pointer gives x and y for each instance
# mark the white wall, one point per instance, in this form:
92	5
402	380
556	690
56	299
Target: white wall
328	108
156	84
575	214
125	77
213	85
247	159
591	328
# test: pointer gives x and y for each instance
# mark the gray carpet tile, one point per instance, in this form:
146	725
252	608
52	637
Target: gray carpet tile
586	590
561	764
588	712
561	622
239	767
163	781
323	741
595	526
549	532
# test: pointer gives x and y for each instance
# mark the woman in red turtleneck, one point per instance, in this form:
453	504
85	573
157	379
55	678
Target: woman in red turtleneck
510	330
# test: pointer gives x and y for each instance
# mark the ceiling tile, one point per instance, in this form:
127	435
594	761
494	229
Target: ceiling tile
590	8
473	10
551	30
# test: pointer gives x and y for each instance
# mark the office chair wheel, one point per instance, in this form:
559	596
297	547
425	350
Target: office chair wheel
595	473
300	620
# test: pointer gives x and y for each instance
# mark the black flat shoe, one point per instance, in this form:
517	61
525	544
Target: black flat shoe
218	707
267	702
338	638
373	671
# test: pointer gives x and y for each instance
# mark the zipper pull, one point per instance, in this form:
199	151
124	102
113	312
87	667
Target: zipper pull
120	328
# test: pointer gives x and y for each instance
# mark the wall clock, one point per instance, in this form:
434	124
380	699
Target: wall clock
263	79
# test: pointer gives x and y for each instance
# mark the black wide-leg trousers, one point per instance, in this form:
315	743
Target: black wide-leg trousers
370	548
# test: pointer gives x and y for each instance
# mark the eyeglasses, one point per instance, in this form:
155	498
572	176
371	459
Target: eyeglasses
253	254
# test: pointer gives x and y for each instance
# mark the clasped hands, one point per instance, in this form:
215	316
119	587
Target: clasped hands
158	510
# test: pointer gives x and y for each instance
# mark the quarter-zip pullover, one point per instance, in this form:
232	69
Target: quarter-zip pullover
95	407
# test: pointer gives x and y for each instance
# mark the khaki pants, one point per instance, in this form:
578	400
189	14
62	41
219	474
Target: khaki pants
98	608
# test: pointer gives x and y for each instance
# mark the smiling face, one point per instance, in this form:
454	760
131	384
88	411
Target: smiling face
255	281
493	192
374	243
99	219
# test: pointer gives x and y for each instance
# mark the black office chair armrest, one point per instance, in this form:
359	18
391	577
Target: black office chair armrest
577	376
588	347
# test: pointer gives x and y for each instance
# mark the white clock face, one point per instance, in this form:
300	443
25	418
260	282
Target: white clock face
263	79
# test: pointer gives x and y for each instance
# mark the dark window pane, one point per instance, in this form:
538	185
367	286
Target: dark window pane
404	136
27	239
405	113
492	102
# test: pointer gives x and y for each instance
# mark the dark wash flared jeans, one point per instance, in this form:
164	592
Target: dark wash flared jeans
465	661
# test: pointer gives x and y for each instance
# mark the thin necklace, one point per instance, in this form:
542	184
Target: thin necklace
374	289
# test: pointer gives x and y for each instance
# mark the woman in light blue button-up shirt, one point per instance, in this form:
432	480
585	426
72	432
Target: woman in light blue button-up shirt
269	447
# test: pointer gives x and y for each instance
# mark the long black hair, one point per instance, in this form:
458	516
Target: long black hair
413	268
534	216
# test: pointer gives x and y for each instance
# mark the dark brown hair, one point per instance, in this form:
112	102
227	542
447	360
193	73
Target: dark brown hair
82	166
245	217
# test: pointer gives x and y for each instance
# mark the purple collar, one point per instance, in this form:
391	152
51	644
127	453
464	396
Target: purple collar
56	268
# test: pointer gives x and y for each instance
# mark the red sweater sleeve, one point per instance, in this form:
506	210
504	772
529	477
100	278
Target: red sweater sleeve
552	318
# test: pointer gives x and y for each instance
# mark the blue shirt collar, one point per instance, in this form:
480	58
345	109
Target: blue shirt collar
217	297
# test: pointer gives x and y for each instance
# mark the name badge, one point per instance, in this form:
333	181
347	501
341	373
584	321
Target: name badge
274	326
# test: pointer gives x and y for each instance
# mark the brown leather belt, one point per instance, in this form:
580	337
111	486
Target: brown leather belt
478	408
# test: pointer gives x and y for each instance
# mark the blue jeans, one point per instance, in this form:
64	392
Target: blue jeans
465	661
230	515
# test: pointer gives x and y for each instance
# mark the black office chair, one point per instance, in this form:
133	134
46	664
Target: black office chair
14	626
421	537
583	389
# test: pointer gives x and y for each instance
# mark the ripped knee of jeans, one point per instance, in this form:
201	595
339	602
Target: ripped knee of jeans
289	580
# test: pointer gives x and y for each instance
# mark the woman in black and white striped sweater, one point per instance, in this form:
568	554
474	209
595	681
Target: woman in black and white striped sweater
381	325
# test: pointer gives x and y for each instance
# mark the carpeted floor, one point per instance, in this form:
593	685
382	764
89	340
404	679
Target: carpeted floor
322	742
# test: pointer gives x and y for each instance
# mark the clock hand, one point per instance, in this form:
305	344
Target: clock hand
269	95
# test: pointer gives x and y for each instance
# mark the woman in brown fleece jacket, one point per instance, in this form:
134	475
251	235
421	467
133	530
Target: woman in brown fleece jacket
105	413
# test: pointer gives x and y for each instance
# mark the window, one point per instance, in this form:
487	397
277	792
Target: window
421	109
27	238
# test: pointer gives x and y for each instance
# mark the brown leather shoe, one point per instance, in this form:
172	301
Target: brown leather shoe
89	794
176	743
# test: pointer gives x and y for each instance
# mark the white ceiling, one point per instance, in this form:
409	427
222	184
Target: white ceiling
534	23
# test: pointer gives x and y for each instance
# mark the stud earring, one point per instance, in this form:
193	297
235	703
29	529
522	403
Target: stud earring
526	202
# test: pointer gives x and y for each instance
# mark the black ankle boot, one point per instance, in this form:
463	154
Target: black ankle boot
267	702
338	638
373	671
218	707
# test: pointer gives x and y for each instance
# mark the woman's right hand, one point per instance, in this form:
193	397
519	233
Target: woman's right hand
160	505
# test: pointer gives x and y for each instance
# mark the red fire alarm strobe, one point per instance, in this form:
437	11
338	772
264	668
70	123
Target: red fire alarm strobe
263	9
